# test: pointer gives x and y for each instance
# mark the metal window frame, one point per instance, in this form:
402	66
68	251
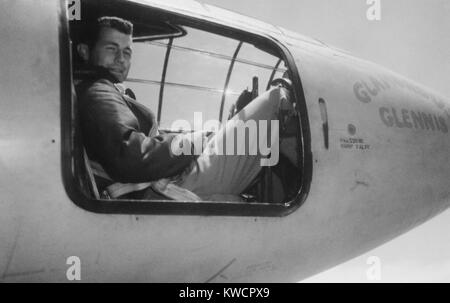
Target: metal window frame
153	207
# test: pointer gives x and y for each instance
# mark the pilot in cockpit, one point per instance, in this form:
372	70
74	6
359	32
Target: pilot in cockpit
131	158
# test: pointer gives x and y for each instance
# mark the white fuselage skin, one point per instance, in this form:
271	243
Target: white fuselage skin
363	193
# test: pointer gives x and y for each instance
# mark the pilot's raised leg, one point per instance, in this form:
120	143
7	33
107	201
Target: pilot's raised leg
219	174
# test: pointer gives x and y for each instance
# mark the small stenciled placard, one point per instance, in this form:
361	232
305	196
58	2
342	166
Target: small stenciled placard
354	143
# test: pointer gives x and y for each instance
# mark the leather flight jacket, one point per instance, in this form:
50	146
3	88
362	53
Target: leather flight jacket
122	135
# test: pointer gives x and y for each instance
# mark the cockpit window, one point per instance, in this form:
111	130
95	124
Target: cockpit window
187	70
190	56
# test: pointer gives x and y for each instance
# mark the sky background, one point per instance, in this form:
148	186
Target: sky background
412	38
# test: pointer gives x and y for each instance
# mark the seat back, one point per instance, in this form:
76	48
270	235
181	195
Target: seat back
82	168
90	176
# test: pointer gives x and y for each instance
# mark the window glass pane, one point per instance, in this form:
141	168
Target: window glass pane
181	103
197	69
147	61
280	72
252	54
197	39
196	74
147	64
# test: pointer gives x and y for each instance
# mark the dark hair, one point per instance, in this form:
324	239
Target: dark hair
93	29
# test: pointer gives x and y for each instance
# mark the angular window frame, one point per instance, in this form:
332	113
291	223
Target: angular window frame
70	146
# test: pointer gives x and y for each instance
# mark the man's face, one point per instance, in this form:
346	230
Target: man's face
113	51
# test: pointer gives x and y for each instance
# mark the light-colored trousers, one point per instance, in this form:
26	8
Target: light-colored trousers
220	175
